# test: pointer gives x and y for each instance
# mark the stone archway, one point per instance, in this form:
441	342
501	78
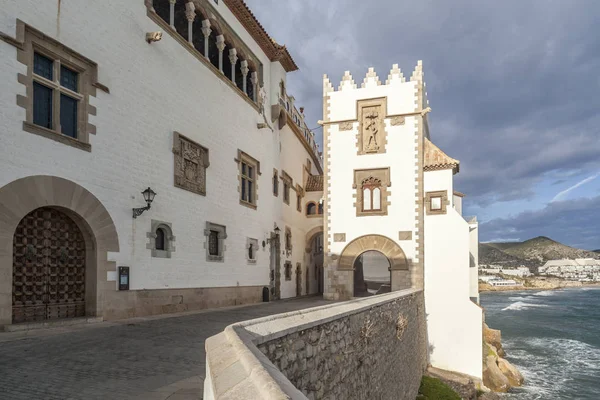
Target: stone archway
342	286
21	197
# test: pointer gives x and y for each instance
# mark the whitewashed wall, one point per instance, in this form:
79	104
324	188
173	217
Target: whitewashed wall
454	323
155	89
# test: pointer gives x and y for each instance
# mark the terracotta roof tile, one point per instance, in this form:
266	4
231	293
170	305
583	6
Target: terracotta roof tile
274	51
314	183
436	159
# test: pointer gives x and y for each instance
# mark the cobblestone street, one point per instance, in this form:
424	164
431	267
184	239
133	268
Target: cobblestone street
145	358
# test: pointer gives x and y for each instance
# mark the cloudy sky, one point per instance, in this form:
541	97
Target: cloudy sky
514	87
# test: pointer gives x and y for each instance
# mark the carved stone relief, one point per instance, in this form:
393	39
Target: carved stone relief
191	161
398	120
372	135
346	126
339	237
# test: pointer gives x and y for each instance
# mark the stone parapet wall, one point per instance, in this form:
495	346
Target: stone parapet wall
373	347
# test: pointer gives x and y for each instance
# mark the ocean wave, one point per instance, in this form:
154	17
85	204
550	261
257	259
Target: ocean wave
549	365
521	305
546	293
521	298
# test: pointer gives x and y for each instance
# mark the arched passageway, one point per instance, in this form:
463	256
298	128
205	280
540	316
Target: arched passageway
372	274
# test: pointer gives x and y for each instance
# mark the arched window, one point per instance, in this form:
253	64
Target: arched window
198	38
311	208
181	22
239	77
249	87
160	239
213	50
162	8
371	192
251	252
227	62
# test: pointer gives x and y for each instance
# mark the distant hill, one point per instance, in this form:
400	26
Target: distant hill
531	253
596	251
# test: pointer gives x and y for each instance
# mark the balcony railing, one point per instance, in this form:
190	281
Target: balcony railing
287	102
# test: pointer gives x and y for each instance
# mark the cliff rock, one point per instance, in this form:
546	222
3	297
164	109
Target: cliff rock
493	377
493	337
510	372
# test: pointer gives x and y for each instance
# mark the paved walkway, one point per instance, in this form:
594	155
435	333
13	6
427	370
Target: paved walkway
154	358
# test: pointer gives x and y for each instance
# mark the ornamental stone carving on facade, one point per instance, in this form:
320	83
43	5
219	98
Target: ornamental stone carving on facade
191	161
372	135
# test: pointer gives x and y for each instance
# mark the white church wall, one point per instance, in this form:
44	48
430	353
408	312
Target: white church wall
454	322
155	89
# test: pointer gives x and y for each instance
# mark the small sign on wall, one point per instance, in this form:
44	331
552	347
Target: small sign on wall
123	278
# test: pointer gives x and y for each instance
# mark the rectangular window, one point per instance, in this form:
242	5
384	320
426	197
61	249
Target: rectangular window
213	243
275	184
288	271
249	169
298	202
44	103
436	203
248	183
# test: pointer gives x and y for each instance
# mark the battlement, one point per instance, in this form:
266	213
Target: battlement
371	79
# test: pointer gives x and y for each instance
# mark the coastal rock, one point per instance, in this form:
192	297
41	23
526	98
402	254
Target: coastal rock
493	377
494	338
512	374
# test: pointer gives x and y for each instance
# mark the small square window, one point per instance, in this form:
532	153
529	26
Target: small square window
436	203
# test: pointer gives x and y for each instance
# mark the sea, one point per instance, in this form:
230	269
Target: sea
552	337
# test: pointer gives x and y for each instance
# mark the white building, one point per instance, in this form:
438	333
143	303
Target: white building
187	99
503	282
390	190
579	269
92	113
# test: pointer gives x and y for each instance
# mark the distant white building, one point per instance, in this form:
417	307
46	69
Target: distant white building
579	269
504	282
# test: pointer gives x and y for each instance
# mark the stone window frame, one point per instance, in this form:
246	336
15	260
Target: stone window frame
443	196
245	158
254	243
287	270
316	214
179	167
299	196
222	229
167	228
29	41
381	174
287	185
275	183
288	239
360	105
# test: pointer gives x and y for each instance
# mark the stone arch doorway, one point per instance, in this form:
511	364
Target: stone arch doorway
314	260
49	256
343	286
21	197
372	274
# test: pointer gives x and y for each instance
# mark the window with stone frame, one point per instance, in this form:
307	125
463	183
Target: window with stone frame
161	241
288	239
215	241
249	170
372	191
58	83
299	194
436	202
288	270
287	185
251	250
275	183
311	208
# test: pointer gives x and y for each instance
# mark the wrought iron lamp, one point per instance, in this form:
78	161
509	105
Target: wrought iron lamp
148	197
274	235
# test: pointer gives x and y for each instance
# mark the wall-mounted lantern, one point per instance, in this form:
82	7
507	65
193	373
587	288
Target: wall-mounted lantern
274	236
148	197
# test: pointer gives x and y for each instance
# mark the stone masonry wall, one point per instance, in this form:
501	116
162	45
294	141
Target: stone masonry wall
379	353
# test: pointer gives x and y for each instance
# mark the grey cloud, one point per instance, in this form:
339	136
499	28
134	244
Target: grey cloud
573	222
513	85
